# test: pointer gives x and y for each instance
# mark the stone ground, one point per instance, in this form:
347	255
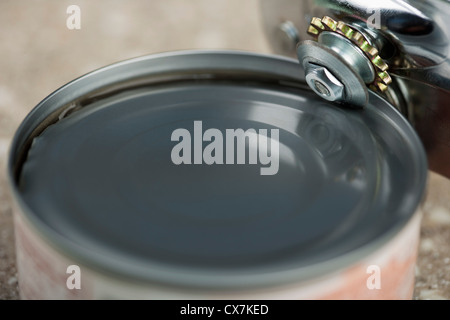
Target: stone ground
39	54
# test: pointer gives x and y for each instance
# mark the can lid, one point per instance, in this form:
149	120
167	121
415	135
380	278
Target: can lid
153	182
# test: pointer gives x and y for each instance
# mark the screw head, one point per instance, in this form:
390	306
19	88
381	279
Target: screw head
324	83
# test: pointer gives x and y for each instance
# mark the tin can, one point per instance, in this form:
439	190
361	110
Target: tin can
213	175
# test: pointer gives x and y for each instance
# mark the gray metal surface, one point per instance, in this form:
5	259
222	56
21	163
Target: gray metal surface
100	186
350	53
324	83
416	31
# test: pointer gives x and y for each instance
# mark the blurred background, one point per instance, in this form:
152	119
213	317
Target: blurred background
39	54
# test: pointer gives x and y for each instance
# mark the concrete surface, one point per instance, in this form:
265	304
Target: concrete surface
39	54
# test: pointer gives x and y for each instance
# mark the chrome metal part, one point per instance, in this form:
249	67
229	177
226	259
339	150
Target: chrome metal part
412	37
416	29
355	91
353	45
348	183
324	83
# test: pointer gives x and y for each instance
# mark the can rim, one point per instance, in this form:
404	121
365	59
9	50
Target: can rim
224	60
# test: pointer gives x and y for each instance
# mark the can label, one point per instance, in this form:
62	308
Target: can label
386	274
43	271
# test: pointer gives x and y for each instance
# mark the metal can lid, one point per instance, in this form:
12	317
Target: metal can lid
222	177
